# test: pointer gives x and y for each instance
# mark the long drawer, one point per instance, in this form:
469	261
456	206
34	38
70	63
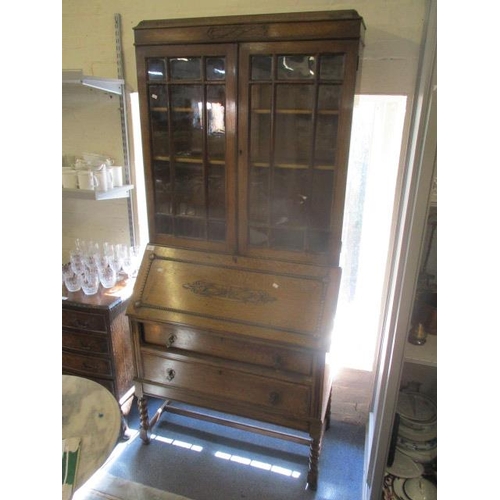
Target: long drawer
83	320
89	365
223	383
85	342
189	339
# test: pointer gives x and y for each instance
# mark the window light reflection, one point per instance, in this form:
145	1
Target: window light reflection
232	458
259	465
180	444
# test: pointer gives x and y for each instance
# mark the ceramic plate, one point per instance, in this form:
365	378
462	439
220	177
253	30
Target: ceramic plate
413	424
416	407
410	444
424	433
397	486
404	467
422	457
420	489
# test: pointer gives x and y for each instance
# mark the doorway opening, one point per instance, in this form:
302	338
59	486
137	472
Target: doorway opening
377	131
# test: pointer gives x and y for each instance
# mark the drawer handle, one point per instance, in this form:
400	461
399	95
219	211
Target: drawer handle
81	324
170	374
274	398
278	362
171	340
89	366
85	346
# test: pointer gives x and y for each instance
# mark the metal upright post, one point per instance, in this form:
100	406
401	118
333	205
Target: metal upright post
124	125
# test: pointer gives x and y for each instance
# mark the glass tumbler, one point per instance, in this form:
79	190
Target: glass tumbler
73	282
107	277
90	282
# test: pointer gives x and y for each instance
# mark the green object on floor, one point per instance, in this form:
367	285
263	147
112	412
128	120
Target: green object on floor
70	457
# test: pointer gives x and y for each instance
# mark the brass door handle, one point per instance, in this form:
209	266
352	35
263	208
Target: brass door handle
81	323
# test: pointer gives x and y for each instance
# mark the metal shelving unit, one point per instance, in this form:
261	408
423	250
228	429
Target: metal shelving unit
115	86
110	194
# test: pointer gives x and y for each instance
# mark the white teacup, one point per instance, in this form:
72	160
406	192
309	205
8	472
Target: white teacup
104	179
87	180
117	173
69	178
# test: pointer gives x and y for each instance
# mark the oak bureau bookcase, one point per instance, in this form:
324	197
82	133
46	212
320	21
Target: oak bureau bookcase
245	126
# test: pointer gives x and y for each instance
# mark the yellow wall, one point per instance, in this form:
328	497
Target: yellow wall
394	30
389	66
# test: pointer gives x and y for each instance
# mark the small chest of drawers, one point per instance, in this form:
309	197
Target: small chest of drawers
96	341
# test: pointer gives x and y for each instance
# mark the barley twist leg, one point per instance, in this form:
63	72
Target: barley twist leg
143	418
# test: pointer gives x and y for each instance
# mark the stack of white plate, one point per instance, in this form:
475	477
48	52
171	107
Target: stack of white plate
417	435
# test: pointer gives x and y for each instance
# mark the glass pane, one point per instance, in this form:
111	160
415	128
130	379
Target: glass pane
258	236
296	67
162	187
216	193
163	202
187	98
329	97
185	68
261	67
164	224
288	239
216	231
159	134
186	227
319	241
326	140
321	199
290	193
156	69
295	98
258	205
261	97
331	67
296	152
158	97
216	120
189	190
260	124
216	68
187	120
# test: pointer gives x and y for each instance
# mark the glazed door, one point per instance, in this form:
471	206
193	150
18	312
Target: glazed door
295	104
187	96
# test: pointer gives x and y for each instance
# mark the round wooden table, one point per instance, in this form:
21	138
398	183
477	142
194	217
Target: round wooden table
89	412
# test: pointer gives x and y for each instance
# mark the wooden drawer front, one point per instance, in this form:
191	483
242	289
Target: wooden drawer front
228	348
83	320
230	385
87	364
84	342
